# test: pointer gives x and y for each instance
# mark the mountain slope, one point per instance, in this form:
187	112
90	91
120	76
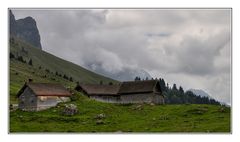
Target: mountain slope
44	67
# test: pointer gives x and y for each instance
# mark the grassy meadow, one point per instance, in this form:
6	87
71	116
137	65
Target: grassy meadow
124	118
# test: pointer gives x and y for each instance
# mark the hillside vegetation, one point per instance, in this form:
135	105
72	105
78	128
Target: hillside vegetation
96	116
27	62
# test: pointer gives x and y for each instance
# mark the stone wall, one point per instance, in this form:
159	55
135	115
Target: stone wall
105	98
27	100
155	98
143	98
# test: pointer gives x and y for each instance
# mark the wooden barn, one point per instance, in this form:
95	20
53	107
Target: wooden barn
127	92
148	91
104	93
40	96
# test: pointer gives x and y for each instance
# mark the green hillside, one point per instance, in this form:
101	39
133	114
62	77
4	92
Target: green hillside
45	68
124	118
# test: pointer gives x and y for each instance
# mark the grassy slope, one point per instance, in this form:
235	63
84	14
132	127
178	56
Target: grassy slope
21	72
125	118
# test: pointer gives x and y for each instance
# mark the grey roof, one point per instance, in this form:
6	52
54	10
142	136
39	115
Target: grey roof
131	87
97	89
45	89
138	86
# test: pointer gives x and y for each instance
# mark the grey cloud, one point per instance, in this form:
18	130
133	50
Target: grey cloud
197	57
187	47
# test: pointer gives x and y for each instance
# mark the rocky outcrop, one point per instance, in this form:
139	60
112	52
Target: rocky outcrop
25	29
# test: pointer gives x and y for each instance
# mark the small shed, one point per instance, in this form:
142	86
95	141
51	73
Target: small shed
40	96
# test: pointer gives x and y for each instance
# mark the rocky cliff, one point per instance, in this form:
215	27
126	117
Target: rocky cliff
25	29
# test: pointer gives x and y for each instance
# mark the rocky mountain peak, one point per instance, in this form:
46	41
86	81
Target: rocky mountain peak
25	29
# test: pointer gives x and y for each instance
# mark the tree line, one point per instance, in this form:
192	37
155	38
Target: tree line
176	95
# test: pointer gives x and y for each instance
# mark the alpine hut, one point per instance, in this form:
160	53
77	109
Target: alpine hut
40	96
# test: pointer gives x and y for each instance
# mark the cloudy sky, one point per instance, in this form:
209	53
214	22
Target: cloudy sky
190	47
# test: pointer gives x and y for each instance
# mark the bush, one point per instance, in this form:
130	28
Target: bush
65	77
11	55
30	62
20	58
47	70
74	97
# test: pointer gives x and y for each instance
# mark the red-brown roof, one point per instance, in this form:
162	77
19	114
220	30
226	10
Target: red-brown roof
96	89
46	89
138	86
